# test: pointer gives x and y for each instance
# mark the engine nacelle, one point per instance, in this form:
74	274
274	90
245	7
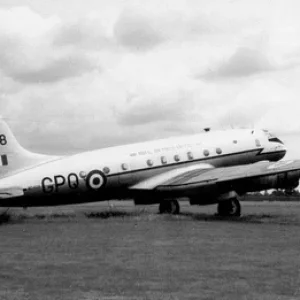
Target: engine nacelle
224	191
282	180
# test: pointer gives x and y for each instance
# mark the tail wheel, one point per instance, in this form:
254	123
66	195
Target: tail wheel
230	208
169	207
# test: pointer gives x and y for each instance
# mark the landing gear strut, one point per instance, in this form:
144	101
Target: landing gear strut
169	207
229	208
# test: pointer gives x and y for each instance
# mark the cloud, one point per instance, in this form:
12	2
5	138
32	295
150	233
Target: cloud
87	33
151	51
22	21
169	108
27	54
8	86
147	26
61	114
244	62
58	69
137	31
264	103
25	63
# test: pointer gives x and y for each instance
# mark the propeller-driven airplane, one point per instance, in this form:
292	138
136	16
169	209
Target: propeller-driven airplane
212	167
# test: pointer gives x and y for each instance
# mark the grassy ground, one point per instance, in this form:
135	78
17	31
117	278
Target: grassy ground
96	252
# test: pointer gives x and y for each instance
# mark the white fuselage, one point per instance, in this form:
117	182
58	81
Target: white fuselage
124	166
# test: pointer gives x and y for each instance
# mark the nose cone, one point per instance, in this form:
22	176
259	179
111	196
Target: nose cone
277	153
281	152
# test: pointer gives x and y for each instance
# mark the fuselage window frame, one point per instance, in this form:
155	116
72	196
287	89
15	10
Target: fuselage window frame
218	150
163	160
124	166
106	170
190	155
205	152
150	162
177	157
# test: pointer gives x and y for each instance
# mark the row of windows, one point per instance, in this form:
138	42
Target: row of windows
172	148
164	160
145	152
176	158
257	142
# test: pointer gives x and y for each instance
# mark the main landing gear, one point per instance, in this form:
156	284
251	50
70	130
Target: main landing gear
229	208
169	207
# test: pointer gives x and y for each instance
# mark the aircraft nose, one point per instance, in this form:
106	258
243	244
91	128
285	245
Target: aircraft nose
278	152
282	152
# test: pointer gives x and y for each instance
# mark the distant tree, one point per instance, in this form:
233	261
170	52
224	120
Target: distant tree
291	192
256	194
278	193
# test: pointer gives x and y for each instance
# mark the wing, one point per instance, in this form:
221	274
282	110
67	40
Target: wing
217	181
155	181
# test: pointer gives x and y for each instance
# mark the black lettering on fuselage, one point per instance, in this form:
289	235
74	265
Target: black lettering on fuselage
47	188
50	186
73	181
59	180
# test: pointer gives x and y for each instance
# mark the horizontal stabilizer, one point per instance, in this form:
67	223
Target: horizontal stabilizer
11	193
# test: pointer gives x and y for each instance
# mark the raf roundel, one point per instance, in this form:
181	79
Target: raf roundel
95	180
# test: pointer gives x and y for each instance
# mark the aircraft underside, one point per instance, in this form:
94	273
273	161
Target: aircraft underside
167	205
226	208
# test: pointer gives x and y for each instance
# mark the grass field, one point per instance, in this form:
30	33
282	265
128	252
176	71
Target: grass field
126	252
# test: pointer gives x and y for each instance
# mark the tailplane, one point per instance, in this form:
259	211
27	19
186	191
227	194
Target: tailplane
13	157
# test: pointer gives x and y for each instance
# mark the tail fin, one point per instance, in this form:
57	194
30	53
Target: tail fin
13	156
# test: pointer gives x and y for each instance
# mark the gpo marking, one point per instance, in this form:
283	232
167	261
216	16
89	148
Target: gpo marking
95	180
50	185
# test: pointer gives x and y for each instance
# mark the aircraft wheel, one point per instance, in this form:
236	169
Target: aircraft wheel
230	208
169	207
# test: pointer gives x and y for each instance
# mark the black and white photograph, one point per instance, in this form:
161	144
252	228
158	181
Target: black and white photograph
149	150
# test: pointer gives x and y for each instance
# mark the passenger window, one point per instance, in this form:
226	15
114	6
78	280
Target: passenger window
206	152
150	162
176	157
190	155
106	170
163	160
219	151
124	167
257	143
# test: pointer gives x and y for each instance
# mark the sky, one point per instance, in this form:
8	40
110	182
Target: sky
81	75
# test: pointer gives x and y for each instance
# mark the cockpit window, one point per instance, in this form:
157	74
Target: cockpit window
272	137
276	140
